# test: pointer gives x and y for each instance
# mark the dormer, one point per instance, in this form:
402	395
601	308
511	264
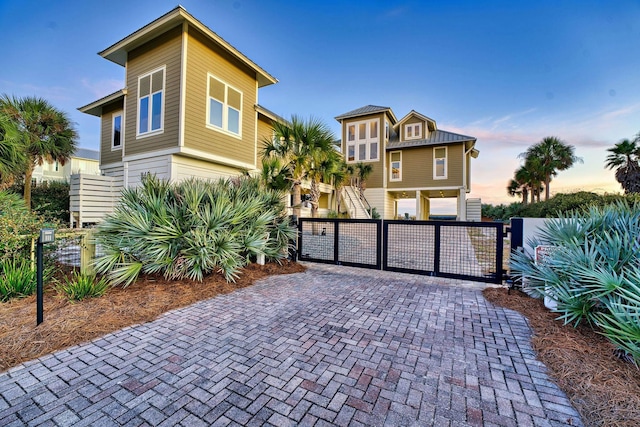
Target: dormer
365	132
415	126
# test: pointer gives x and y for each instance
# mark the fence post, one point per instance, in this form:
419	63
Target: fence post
87	253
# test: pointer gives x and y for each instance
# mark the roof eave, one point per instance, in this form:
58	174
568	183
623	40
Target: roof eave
118	52
95	108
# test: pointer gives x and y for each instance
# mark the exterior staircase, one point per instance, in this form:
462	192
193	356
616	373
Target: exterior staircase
356	207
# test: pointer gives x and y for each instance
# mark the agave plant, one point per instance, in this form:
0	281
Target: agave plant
192	229
594	275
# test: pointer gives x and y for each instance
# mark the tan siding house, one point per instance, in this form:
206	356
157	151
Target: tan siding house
411	159
189	107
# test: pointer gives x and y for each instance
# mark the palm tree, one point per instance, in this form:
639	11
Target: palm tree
45	133
515	188
339	178
361	173
323	164
527	181
624	157
554	155
12	154
297	143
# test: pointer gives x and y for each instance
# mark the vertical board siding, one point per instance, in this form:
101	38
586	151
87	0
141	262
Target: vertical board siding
162	51
204	57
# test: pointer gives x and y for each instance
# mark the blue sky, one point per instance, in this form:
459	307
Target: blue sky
506	72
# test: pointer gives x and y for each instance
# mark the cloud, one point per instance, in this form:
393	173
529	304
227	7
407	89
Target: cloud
50	93
102	88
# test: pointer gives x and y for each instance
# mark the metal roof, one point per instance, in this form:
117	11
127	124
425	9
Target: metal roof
367	109
85	153
435	137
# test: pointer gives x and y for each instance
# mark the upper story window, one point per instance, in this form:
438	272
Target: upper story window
413	131
224	106
151	102
386	130
440	163
363	141
396	166
116	131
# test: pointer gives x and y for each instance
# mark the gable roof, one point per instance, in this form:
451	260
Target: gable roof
118	51
435	138
367	109
421	117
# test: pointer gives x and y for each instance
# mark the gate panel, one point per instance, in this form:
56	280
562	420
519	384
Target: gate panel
316	240
410	247
353	242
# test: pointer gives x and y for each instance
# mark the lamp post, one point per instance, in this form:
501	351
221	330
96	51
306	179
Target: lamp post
47	235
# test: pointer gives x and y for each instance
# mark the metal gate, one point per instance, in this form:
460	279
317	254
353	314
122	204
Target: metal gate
459	250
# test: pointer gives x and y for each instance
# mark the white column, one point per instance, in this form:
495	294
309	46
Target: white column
418	205
462	205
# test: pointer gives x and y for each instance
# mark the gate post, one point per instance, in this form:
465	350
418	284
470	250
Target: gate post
436	249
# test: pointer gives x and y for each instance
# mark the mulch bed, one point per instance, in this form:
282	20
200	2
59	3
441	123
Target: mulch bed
602	387
70	323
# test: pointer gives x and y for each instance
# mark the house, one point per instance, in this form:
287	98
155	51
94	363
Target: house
82	161
189	106
411	159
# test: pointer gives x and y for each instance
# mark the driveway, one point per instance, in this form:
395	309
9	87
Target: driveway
331	346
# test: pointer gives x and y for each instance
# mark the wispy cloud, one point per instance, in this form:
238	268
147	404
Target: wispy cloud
102	88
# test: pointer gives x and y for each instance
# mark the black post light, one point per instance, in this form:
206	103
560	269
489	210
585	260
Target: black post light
47	235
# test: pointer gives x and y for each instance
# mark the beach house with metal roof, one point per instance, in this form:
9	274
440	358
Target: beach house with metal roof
411	159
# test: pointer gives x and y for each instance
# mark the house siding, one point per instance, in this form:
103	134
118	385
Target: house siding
417	168
265	131
186	168
106	154
162	51
158	165
376	178
204	57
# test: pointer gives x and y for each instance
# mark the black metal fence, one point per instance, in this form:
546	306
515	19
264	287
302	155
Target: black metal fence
461	250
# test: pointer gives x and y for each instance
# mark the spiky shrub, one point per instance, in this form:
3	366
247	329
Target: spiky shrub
594	274
80	286
192	229
17	279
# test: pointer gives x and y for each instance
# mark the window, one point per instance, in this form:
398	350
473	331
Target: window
386	130
116	131
396	166
150	102
440	163
413	131
363	141
224	106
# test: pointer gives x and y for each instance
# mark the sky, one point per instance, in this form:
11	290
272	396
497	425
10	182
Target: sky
506	72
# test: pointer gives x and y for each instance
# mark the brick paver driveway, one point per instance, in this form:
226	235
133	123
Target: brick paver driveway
332	346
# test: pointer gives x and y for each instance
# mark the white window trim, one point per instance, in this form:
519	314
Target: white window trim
414	126
368	141
113	130
164	81
391	178
446	169
225	106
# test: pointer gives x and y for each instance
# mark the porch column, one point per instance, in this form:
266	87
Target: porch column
462	205
418	205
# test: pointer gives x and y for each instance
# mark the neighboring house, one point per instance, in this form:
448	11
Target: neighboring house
82	161
189	106
411	158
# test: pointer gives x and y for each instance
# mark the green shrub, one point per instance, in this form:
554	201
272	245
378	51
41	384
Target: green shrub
192	229
17	279
332	215
594	273
18	227
81	286
49	200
